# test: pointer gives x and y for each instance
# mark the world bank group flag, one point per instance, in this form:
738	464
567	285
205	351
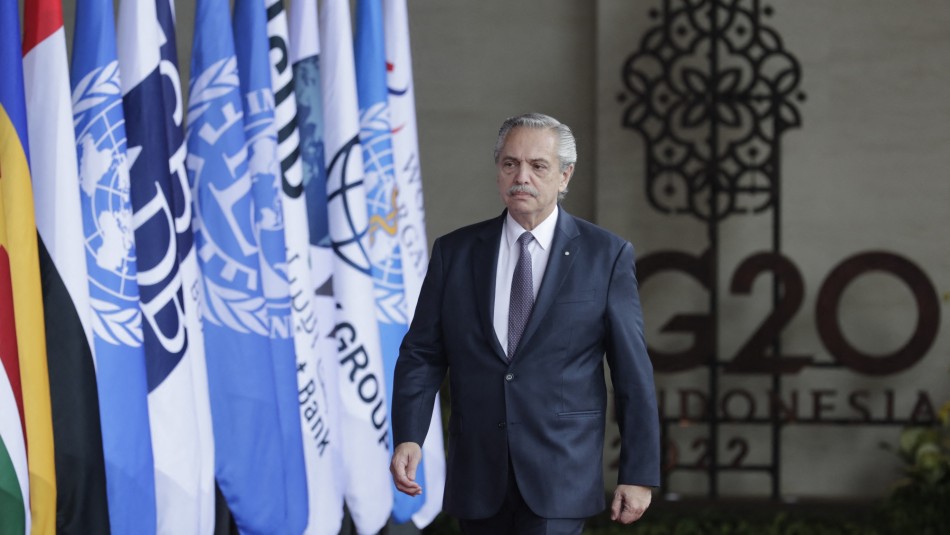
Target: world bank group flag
167	271
385	251
110	259
319	396
412	230
278	265
364	412
249	457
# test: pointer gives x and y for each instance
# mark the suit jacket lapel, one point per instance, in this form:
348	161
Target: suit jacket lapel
564	249
484	260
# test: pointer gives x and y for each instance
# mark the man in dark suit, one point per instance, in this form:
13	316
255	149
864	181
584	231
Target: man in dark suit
520	311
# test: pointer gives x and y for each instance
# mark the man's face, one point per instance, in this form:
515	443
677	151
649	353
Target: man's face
529	174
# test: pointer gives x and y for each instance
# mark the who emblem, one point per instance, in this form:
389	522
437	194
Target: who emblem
382	208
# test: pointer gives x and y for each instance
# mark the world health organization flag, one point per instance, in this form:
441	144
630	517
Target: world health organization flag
381	203
412	228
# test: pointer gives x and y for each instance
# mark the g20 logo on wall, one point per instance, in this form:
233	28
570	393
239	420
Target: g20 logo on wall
755	355
711	90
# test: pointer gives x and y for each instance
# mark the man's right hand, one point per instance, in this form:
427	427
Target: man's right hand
406	459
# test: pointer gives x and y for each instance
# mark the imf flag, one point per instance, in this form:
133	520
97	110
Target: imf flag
279	266
249	460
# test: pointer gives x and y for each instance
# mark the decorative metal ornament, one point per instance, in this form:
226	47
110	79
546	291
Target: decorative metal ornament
711	90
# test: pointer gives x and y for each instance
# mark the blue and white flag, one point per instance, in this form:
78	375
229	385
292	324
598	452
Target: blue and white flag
319	397
249	453
111	262
364	411
270	222
385	250
179	412
297	235
412	228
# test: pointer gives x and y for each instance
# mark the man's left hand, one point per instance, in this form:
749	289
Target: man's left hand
630	502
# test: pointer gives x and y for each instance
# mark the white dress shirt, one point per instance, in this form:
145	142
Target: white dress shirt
508	253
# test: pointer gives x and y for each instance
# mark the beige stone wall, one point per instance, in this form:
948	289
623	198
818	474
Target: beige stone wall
867	171
477	63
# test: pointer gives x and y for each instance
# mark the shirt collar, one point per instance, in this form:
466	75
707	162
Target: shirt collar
543	233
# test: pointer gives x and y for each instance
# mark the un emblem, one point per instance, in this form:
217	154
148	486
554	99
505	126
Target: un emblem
107	207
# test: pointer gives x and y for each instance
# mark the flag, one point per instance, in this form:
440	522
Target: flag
179	413
14	473
250	462
21	249
297	250
110	259
190	277
319	396
16	234
412	229
381	197
81	504
364	413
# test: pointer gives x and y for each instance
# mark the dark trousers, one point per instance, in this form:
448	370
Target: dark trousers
516	518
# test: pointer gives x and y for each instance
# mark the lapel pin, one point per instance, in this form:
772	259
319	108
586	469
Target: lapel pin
567	253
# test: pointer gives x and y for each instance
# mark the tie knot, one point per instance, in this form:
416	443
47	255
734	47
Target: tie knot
525	239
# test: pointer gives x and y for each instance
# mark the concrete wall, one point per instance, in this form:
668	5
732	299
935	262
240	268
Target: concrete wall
477	63
865	171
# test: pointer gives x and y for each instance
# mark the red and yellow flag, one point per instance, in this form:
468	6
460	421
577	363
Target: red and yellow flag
16	196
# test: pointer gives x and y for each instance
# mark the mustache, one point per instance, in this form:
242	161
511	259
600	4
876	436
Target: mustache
522	188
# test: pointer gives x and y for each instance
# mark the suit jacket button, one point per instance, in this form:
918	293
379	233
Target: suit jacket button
501	425
509	377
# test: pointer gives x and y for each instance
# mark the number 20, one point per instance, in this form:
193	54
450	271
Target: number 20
752	356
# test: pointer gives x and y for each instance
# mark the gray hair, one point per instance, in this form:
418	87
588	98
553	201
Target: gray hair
566	146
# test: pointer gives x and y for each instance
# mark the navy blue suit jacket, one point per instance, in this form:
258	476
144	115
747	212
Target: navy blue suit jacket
546	408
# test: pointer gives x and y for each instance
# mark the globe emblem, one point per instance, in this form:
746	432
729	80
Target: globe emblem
346	208
382	210
107	208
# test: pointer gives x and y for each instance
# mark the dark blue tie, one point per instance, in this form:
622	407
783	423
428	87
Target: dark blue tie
522	295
